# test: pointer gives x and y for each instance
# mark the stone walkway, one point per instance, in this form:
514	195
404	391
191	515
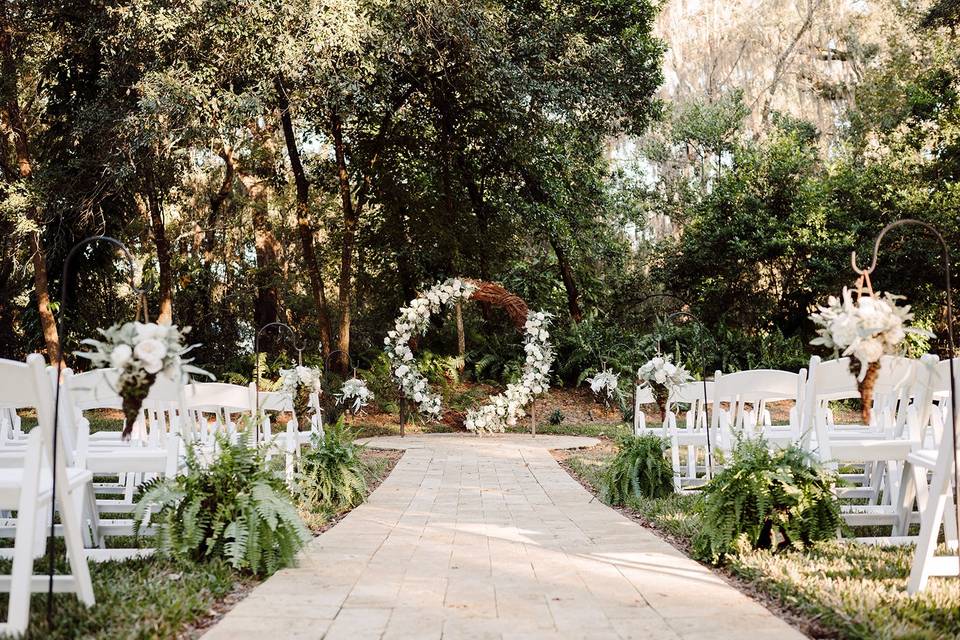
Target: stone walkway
490	538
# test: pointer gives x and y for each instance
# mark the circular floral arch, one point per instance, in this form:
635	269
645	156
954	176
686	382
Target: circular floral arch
501	410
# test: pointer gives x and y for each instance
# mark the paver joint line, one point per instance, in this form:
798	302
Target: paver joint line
490	538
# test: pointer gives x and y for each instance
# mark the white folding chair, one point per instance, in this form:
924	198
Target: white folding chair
746	394
693	435
150	452
881	447
216	406
28	491
291	441
643	395
935	501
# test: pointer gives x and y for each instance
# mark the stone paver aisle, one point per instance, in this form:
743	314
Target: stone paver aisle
490	538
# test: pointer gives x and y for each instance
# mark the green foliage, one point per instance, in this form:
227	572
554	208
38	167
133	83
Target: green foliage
639	468
765	500
329	477
233	508
556	417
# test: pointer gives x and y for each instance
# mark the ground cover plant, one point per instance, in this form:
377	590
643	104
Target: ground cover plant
236	508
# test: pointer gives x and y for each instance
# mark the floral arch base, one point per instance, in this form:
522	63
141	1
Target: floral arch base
501	410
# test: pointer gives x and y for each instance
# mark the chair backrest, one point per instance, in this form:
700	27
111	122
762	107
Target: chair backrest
755	388
692	393
27	385
219	400
898	380
221	395
94	389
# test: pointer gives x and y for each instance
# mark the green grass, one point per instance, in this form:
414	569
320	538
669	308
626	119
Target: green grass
144	598
841	590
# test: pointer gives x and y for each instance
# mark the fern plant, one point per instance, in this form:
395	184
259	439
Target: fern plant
767	501
233	508
640	468
330	476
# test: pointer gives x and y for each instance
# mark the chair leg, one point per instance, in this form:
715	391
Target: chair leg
929	528
906	497
74	543
21	575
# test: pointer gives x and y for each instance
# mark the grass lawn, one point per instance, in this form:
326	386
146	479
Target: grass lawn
834	590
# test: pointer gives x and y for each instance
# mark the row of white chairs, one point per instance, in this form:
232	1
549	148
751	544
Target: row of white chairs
98	473
902	459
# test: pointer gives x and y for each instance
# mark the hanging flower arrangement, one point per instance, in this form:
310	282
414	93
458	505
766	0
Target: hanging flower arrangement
605	385
355	394
300	382
663	377
864	328
501	410
141	352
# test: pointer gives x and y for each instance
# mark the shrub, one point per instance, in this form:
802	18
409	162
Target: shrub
330	475
556	417
640	468
767	501
234	508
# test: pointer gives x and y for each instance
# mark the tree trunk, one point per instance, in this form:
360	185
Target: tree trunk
14	121
217	200
304	227
152	208
266	307
349	238
569	281
461	338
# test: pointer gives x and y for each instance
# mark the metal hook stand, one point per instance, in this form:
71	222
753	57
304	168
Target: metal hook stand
61	327
703	360
299	347
865	273
703	377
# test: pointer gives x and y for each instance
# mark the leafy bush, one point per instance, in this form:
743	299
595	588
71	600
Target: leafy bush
234	508
556	417
640	468
767	501
330	476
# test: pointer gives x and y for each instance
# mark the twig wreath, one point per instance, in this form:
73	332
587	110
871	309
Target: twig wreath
501	410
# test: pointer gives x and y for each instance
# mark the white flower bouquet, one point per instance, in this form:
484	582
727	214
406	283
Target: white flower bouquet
663	377
605	384
141	352
355	393
865	329
300	382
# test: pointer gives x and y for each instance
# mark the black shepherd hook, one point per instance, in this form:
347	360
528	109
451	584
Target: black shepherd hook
298	346
60	324
703	376
946	271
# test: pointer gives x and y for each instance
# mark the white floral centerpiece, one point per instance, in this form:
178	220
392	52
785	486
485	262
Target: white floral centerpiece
300	382
355	393
413	322
141	352
865	329
504	409
663	377
605	384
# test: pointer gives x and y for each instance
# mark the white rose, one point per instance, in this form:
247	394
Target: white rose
660	376
151	352
402	370
120	355
148	331
844	330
